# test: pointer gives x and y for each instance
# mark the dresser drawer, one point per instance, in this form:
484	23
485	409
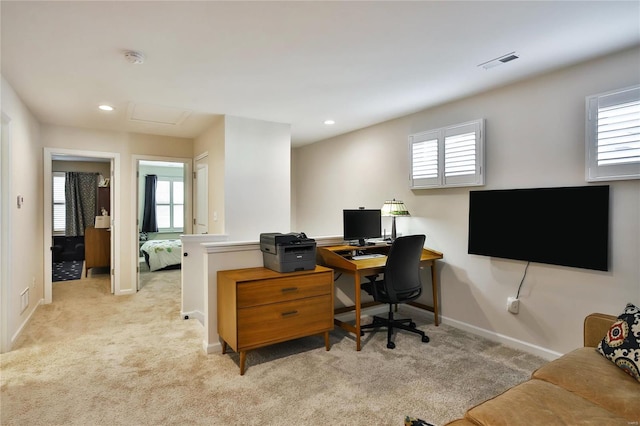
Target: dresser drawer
263	292
278	322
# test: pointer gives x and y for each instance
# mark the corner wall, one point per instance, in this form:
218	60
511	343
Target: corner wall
257	178
535	137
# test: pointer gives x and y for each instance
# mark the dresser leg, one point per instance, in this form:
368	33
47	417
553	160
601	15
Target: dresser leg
326	340
243	357
224	347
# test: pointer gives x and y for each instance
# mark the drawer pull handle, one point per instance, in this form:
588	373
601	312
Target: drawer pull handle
289	289
289	313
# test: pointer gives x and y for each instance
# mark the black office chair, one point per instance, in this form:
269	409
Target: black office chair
401	284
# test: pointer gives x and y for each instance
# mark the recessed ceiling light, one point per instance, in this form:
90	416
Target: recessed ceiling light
105	107
329	122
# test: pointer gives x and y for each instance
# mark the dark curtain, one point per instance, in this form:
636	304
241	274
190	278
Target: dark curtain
149	221
80	197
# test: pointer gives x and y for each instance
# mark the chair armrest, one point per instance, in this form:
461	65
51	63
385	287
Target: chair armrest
596	327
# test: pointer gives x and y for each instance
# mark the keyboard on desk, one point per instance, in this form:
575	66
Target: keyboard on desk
367	256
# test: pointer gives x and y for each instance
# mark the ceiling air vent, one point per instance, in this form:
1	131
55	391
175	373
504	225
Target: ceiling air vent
499	61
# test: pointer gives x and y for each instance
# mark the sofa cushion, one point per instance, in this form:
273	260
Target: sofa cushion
461	422
621	344
588	374
543	403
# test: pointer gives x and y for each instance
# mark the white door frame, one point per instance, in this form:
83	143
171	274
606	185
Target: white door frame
116	236
200	161
135	208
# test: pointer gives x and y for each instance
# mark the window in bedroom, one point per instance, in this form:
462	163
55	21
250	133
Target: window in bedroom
59	208
170	204
613	135
448	157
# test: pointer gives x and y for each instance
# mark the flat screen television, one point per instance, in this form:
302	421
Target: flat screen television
361	224
566	226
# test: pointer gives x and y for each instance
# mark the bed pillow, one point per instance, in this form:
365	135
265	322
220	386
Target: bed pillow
621	345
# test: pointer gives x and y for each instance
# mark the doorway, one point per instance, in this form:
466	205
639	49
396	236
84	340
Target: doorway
158	243
81	218
114	235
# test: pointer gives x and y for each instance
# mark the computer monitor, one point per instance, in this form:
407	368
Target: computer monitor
361	224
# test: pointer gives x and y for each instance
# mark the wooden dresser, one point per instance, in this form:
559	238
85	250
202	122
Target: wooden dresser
97	248
259	307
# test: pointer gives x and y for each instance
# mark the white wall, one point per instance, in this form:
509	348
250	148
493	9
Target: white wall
534	138
211	142
257	192
193	274
25	234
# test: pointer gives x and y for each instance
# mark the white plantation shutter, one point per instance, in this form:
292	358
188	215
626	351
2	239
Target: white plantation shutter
170	203
613	135
59	206
424	159
450	156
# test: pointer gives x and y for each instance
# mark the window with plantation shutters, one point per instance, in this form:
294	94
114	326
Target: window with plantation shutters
59	207
170	204
613	135
449	156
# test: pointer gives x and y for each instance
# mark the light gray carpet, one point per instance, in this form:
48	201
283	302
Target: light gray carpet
91	358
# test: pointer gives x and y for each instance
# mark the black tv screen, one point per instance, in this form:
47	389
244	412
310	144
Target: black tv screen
361	224
566	226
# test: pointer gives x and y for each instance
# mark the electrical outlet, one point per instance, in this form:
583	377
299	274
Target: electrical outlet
513	305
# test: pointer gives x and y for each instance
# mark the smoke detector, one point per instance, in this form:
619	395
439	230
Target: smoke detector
134	57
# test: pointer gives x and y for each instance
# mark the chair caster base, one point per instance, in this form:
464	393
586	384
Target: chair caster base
425	339
391	345
412	324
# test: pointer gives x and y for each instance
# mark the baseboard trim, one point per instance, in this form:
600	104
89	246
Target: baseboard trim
193	315
211	348
495	337
18	332
506	340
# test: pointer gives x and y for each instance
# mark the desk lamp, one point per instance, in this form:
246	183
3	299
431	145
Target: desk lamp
394	208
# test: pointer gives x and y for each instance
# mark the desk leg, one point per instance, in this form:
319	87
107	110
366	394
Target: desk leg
356	280
434	285
243	358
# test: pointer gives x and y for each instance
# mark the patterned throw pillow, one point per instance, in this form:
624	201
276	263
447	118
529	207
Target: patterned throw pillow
621	345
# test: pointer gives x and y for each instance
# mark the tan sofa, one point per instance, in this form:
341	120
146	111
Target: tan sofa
579	388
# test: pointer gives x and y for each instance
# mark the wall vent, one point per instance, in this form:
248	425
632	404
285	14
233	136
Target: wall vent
499	60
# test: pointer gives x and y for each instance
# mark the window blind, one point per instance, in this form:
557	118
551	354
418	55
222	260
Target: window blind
425	159
619	134
460	154
449	156
59	206
613	135
170	203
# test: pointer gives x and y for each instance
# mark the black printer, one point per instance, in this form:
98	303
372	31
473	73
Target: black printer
288	252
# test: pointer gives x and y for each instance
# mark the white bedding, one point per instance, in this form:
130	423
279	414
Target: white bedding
163	253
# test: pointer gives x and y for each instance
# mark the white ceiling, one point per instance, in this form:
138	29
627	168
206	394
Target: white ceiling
358	63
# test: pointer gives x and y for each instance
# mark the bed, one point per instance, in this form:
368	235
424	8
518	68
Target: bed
162	254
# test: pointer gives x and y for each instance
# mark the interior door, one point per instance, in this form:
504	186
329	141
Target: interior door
202	197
